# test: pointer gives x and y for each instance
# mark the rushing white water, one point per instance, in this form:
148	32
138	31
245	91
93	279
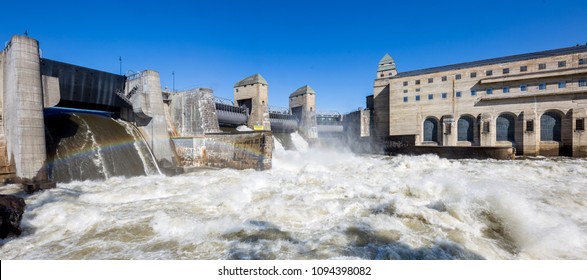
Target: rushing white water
299	142
145	153
318	205
277	146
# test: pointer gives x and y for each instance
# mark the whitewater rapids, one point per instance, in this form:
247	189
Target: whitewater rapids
317	204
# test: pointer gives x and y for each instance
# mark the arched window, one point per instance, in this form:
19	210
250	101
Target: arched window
430	130
505	128
465	127
550	127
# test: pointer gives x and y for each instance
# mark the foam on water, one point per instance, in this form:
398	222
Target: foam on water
319	205
299	142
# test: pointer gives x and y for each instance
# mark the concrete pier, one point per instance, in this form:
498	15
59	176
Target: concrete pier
22	110
144	92
193	112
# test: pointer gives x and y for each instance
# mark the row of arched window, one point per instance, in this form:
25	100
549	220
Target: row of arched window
505	125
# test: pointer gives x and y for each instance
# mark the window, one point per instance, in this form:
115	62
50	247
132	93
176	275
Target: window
489	91
580	124
581	61
405	99
417	90
443	95
473	92
443	78
562	84
417	98
488	72
465	128
458	76
405	83
523	87
542	86
417	82
505	127
523	68
430	96
430	130
550	127
473	74
458	94
530	125
541	66
405	91
506	89
562	64
430	80
486	127
582	83
447	128
506	70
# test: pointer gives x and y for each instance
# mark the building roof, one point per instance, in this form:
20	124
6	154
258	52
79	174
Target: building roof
498	60
303	90
251	80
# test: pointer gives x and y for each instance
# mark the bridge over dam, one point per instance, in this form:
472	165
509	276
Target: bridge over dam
104	121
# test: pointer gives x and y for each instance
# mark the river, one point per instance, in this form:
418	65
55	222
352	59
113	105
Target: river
318	204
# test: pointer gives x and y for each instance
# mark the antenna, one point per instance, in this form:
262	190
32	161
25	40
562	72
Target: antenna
173	74
120	60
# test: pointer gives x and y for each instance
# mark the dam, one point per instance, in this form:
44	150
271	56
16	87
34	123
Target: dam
62	122
291	191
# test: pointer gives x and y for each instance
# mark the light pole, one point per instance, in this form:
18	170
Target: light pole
173	74
120	61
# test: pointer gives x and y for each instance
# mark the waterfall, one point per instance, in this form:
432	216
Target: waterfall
84	146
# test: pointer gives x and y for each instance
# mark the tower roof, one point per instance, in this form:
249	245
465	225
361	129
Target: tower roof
303	90
386	59
386	63
251	80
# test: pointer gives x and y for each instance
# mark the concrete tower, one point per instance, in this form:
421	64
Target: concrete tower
252	92
302	103
22	109
385	70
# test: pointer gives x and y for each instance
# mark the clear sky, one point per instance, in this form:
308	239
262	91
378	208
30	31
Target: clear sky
333	46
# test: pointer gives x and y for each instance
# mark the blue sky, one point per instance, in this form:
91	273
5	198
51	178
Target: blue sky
333	46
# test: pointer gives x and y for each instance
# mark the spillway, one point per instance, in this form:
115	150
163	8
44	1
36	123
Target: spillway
89	146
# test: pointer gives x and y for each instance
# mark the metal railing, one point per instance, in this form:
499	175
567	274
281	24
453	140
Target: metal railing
279	110
224	101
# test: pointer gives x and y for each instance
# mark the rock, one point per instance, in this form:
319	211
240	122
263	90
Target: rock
11	210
